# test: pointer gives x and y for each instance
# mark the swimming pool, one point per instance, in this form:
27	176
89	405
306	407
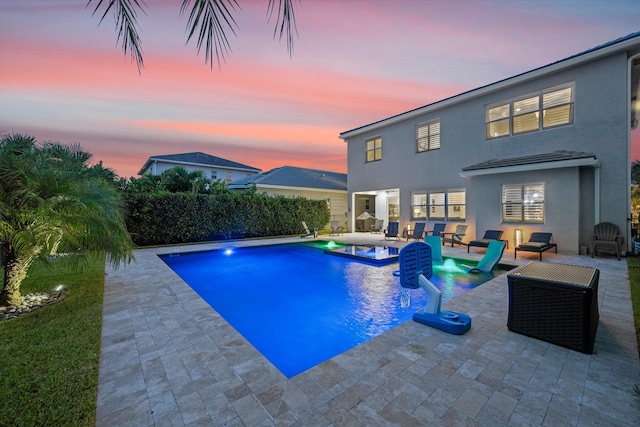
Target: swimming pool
299	306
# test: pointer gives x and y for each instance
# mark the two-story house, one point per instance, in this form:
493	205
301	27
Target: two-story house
215	168
546	150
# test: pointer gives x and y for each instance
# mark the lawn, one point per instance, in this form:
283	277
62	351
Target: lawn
49	359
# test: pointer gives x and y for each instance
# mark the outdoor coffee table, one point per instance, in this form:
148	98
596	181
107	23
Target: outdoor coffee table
557	303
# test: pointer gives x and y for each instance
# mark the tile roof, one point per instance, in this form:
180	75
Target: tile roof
200	159
290	176
556	156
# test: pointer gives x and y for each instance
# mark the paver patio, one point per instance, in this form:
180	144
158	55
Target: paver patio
169	359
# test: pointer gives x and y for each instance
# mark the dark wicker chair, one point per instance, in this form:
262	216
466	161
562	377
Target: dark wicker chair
606	238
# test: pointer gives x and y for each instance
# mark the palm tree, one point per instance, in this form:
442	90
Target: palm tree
52	201
210	19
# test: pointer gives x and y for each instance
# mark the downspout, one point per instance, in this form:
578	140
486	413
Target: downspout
629	108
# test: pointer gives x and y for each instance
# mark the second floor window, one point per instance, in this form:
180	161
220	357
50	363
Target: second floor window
428	136
374	149
541	110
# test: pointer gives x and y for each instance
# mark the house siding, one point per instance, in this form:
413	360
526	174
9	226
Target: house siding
601	127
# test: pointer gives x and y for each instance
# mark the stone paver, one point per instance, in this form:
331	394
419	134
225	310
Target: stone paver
168	358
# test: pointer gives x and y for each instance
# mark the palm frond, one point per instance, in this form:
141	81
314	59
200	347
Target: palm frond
210	19
126	25
285	23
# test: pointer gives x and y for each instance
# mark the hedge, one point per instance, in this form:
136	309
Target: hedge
170	218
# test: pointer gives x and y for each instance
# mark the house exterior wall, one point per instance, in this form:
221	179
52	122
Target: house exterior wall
601	126
337	199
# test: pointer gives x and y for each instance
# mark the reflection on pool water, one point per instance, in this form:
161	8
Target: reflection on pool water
299	306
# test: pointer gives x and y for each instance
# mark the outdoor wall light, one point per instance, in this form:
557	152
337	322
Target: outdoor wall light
517	237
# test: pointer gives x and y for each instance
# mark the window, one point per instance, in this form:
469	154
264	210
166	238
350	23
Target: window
229	179
374	149
522	115
439	205
214	175
428	136
419	206
523	203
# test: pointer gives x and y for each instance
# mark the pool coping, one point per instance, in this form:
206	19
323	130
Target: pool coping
168	358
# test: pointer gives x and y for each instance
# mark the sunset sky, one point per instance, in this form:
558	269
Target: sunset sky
64	78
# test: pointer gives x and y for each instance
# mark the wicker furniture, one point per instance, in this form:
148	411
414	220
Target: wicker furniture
606	238
557	303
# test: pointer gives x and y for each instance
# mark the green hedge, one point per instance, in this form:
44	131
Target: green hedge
160	219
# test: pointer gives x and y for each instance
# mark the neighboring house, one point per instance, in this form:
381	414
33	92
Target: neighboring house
546	150
214	168
301	182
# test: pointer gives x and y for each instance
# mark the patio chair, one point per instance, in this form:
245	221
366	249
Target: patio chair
456	236
336	228
392	231
538	242
438	228
489	235
495	249
377	227
418	231
606	238
309	231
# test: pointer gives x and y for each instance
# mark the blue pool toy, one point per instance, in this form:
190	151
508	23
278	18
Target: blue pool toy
416	268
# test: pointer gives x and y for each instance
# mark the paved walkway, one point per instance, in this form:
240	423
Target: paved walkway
168	359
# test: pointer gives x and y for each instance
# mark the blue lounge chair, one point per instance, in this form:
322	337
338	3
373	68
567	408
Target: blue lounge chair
392	231
418	231
495	249
437	229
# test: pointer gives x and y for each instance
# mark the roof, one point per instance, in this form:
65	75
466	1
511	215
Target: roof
290	176
556	159
617	45
199	159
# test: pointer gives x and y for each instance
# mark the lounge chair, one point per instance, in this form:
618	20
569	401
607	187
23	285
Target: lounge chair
456	236
377	227
489	235
538	242
309	231
336	228
438	228
495	249
418	231
392	231
606	238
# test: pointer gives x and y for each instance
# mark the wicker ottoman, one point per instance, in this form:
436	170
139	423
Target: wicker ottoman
557	303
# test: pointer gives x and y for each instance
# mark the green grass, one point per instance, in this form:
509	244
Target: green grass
49	359
634	282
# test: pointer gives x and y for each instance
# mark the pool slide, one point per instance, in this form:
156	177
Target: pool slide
416	268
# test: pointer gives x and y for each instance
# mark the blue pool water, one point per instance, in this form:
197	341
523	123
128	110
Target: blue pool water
299	306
